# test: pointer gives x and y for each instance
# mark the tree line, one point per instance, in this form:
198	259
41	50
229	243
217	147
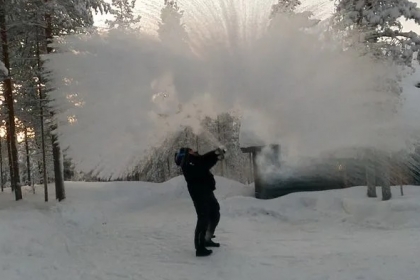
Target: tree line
27	129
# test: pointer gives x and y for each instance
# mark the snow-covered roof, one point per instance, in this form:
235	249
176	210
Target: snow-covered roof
251	130
248	138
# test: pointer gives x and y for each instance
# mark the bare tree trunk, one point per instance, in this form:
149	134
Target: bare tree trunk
386	181
169	168
41	113
402	190
8	96
401	176
345	177
196	143
370	176
28	160
386	189
58	170
371	186
44	160
1	165
222	163
9	156
251	171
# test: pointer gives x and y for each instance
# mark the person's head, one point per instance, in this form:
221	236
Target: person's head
180	155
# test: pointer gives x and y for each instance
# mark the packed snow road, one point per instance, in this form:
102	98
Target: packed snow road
112	231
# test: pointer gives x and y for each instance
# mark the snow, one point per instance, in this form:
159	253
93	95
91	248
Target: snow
247	135
321	9
3	69
137	230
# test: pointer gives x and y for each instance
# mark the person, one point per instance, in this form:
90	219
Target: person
201	186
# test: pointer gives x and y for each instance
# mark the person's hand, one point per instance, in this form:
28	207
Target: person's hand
220	152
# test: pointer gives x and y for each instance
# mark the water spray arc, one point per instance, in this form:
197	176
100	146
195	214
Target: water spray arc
294	88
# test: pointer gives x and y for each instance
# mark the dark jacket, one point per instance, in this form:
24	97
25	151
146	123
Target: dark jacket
196	169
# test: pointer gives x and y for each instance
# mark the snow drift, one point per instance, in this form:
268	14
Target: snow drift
347	206
137	230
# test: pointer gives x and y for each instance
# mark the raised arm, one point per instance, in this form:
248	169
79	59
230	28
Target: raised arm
206	161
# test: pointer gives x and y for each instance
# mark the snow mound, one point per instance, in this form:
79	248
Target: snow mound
347	206
228	188
138	230
224	187
334	206
117	198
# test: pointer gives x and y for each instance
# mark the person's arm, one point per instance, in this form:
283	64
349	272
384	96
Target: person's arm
206	161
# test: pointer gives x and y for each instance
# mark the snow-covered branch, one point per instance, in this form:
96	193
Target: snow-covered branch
394	34
378	26
3	69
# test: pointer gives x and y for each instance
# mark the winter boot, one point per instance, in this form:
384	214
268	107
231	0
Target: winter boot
203	252
211	243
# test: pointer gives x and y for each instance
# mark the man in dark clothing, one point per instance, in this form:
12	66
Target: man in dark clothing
201	184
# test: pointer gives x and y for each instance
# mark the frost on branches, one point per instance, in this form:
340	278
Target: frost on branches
159	165
284	11
124	15
377	24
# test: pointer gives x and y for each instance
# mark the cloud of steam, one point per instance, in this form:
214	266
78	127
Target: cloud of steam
292	88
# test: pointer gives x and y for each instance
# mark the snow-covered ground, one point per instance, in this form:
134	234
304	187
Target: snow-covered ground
134	230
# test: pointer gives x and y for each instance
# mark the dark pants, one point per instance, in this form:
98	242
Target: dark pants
208	216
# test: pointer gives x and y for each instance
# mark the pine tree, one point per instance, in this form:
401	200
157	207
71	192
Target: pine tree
8	94
284	7
77	14
124	16
377	25
171	29
284	11
370	174
28	35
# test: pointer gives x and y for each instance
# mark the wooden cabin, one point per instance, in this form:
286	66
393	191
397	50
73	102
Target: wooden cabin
317	175
335	170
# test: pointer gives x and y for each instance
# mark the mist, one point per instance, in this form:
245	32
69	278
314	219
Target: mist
126	91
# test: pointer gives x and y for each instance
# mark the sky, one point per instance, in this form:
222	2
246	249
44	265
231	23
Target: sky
321	9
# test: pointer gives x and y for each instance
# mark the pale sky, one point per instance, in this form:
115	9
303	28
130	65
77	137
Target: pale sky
321	9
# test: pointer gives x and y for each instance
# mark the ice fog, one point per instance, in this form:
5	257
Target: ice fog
126	90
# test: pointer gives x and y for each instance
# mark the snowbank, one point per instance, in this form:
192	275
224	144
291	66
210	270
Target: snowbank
335	206
224	187
348	206
119	198
137	230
